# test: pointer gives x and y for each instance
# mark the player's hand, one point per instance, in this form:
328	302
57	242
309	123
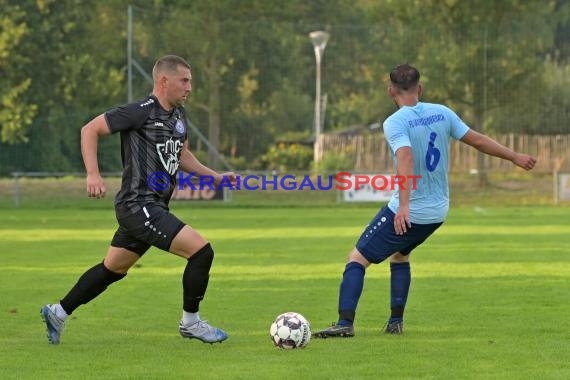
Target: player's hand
524	161
231	176
402	220
95	186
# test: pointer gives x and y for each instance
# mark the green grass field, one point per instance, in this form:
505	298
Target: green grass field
489	299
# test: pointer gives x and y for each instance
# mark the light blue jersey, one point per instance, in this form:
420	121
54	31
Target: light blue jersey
426	128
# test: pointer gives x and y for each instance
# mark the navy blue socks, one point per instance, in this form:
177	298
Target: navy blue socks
399	287
350	291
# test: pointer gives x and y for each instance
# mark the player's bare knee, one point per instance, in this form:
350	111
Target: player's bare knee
116	268
187	242
399	258
119	260
356	256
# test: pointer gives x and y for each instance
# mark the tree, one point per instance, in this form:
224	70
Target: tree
477	56
17	110
242	53
253	67
72	71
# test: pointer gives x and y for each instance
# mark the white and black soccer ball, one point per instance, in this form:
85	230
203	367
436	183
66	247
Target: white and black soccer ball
290	330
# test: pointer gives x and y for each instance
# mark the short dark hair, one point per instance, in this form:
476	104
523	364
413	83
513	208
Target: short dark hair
405	76
168	63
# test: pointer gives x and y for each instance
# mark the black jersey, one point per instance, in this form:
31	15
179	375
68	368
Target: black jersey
151	143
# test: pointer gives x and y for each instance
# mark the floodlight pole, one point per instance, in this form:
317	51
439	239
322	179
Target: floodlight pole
319	40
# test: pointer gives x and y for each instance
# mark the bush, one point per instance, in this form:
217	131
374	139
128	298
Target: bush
333	162
284	158
238	163
201	155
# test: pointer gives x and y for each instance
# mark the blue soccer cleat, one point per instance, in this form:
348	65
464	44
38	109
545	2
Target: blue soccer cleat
54	324
203	331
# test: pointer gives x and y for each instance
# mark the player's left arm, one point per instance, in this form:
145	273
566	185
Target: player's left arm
190	164
404	169
491	147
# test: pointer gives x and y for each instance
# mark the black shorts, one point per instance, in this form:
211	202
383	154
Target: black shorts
152	225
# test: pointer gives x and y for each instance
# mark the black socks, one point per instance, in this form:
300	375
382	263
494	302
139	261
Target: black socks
195	278
90	285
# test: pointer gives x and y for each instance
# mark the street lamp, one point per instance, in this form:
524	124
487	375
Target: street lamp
319	40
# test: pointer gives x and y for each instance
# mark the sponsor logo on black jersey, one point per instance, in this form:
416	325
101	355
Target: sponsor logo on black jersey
169	153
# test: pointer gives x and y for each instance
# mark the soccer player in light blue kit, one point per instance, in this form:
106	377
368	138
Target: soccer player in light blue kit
418	135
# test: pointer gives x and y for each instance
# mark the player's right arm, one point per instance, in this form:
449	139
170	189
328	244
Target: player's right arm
491	147
89	138
396	134
404	169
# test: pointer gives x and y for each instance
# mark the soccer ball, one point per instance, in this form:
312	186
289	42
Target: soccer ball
290	330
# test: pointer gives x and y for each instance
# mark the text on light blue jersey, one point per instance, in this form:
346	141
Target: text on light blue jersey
426	128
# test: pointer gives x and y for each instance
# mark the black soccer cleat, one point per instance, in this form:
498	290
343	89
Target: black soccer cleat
335	331
394	328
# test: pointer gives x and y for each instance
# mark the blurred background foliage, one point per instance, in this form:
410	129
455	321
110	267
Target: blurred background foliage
502	65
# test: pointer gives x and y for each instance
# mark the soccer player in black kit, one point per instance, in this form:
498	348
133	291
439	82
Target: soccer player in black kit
153	143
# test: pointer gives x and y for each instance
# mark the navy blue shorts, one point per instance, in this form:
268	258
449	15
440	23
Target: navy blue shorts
379	240
150	226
